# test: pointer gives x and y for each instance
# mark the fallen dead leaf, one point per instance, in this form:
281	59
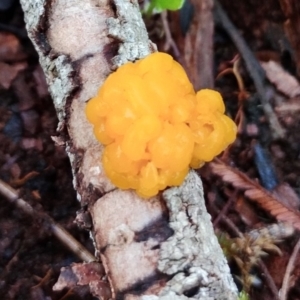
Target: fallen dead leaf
91	274
255	192
246	211
24	91
9	72
284	82
32	143
291	107
10	48
30	120
82	274
285	191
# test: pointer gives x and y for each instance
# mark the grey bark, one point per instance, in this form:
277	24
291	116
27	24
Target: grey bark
155	249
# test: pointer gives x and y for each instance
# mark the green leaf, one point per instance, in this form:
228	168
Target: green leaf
167	4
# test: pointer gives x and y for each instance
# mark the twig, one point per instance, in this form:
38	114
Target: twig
227	221
285	284
270	282
255	70
44	279
11	262
224	209
58	231
169	40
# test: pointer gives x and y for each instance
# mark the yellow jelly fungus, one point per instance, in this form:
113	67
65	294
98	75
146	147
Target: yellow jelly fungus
154	126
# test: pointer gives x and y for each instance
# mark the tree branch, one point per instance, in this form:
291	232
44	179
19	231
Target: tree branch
79	43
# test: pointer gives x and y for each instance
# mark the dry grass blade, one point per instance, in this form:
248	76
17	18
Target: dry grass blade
256	193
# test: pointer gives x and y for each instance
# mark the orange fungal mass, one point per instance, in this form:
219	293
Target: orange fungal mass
154	126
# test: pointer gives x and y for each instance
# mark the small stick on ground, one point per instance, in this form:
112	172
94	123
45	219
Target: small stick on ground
291	264
255	70
270	282
169	43
227	221
59	232
224	210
